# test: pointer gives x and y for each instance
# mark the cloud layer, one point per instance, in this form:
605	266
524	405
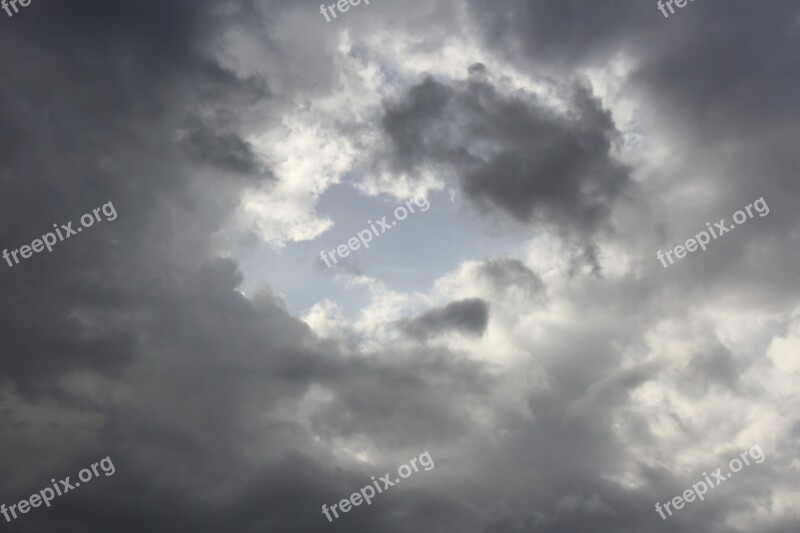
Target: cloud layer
565	384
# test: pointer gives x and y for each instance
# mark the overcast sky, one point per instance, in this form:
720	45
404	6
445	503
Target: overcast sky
521	329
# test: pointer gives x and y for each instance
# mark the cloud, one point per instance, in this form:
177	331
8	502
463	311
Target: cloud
506	273
511	153
222	149
468	316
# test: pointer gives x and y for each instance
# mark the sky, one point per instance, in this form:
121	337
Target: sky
544	333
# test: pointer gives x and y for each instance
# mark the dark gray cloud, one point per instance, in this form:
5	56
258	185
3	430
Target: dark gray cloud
506	273
98	91
718	367
562	35
223	149
470	316
512	154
